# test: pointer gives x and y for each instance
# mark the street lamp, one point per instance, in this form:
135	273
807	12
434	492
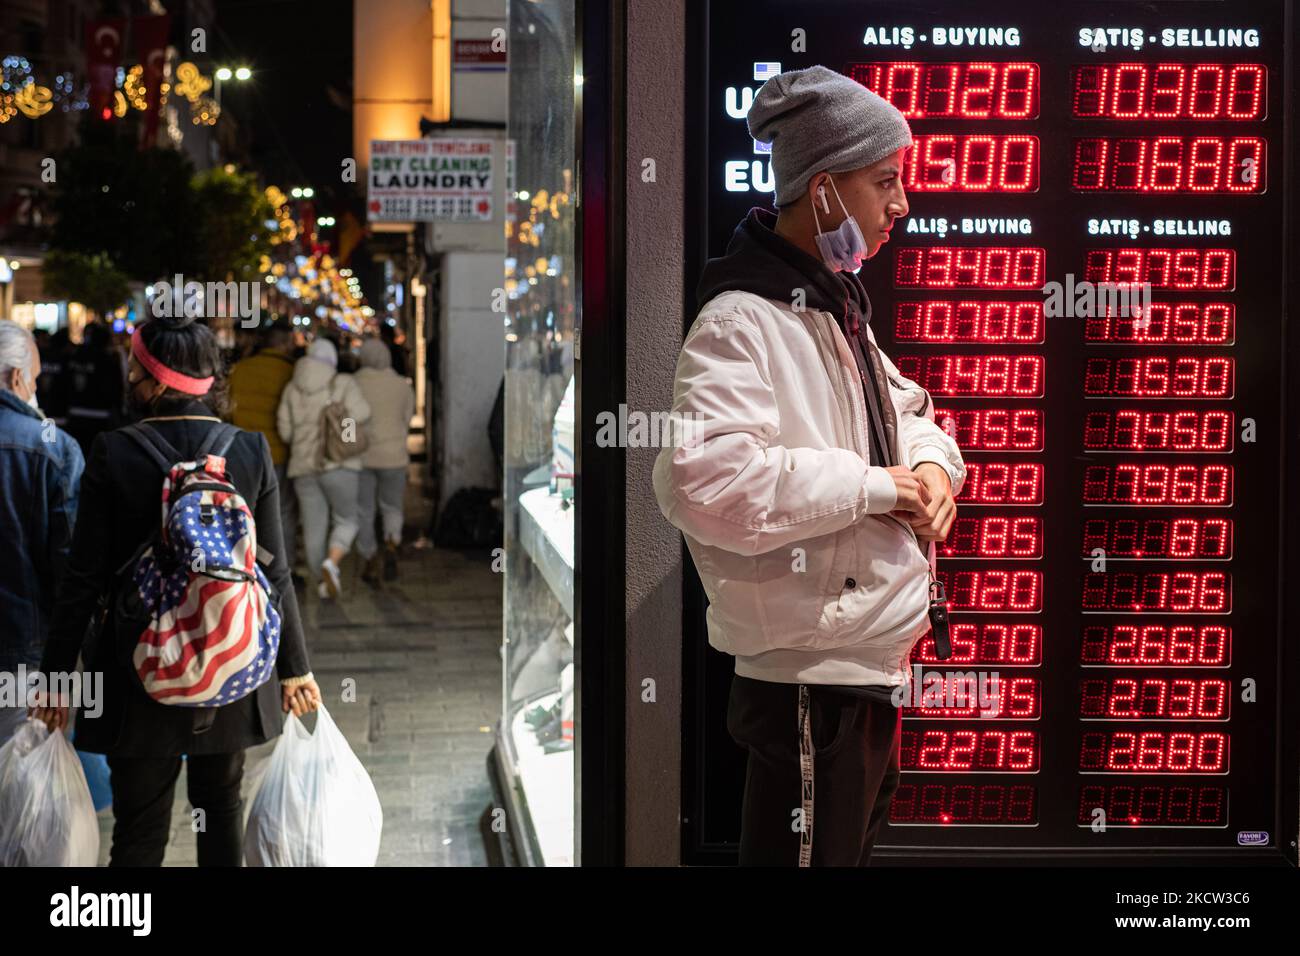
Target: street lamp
225	73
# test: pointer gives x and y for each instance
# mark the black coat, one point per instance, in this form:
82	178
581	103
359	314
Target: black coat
120	509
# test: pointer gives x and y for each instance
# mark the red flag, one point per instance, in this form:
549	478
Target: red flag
151	35
103	56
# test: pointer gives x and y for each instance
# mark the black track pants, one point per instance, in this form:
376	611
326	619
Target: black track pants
855	744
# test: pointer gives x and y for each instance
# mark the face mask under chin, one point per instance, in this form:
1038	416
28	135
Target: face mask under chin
842	248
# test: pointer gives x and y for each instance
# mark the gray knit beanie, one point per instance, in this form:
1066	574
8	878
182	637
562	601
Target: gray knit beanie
818	120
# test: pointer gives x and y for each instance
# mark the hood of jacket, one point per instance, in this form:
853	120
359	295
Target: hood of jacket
310	375
760	261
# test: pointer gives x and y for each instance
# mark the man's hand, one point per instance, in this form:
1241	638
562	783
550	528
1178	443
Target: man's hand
913	495
935	521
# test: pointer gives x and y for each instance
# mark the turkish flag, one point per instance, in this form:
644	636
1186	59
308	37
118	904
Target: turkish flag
151	35
103	56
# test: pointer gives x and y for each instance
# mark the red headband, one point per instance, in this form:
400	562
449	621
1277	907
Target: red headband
169	377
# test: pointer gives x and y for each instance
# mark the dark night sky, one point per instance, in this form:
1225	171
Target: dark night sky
294	132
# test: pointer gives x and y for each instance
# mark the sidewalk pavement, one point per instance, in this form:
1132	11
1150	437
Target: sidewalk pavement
425	655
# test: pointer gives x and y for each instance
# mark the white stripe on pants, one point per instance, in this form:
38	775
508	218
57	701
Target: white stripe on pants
327	501
391	486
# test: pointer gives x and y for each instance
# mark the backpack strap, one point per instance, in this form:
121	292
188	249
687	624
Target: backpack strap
154	445
218	441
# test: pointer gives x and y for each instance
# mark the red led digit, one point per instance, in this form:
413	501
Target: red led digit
985	804
978	161
907	266
1000	483
1244	167
1129	98
954	90
1091	164
1170	91
1178	431
1167	86
1207	91
1153	805
970	267
993	429
990	376
931	164
977	96
988	643
1153	698
939	750
1204	539
1164	268
986	591
903	86
1154	751
1018	171
1158	485
1156	645
994	536
1170	164
1166	174
1246	91
987	323
1157	592
942	87
1091	90
1019	94
1159	376
1128	167
942	162
1205	164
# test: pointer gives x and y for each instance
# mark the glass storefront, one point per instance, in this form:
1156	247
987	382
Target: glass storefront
538	731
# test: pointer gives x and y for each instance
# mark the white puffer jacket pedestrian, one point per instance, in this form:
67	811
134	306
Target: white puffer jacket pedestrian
314	385
392	403
808	579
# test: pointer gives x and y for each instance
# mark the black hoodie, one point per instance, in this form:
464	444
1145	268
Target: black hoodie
763	263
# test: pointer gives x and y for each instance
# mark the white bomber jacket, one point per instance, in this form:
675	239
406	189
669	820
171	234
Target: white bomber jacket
808	580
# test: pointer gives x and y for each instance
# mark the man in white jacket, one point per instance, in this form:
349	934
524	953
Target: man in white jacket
813	480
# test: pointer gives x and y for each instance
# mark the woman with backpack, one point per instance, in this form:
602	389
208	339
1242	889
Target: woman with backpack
320	417
197	632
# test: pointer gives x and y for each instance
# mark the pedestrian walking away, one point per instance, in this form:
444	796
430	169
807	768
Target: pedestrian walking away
256	386
174	383
326	487
383	474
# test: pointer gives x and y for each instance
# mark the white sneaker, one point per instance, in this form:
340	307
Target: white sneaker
330	578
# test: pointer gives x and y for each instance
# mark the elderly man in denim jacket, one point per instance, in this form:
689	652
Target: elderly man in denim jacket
40	472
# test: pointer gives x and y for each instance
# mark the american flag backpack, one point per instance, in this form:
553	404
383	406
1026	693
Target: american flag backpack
203	615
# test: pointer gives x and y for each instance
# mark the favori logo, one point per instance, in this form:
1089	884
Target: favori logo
103	909
1252	838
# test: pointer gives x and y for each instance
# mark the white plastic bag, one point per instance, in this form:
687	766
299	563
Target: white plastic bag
315	805
47	817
